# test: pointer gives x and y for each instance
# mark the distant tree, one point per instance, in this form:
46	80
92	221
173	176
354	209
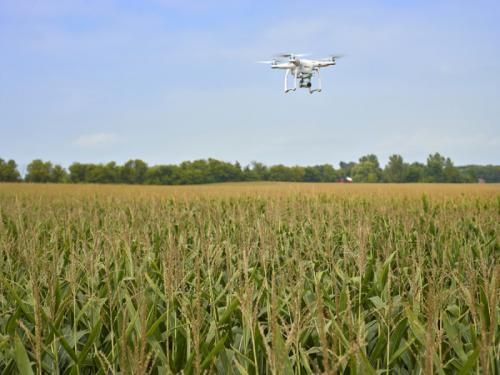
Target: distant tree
312	174
416	172
112	173
238	172
248	174
194	172
296	173
320	173
58	174
99	174
153	176
8	171
346	168
396	169
39	171
367	170
220	171
472	173
260	171
434	172
281	172
437	169
134	172
371	158
450	172
162	175
78	172
328	173
467	174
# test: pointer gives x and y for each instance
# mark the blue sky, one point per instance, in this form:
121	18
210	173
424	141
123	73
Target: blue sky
174	80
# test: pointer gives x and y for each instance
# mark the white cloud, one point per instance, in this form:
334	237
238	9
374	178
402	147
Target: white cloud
97	140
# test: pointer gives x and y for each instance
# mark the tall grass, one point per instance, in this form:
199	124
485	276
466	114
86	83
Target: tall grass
250	279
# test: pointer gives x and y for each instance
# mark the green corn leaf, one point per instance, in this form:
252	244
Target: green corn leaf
403	348
60	337
154	287
380	345
90	341
378	303
12	321
21	357
367	366
179	355
469	364
152	329
454	338
219	345
20	303
224	318
382	280
485	310
415	325
398	334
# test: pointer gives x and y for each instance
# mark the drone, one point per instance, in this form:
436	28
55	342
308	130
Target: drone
303	70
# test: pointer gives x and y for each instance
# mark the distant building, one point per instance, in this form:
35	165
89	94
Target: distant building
345	180
481	181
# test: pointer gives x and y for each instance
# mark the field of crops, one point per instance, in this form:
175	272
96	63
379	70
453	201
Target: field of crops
250	279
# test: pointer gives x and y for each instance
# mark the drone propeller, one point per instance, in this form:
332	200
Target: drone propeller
292	55
332	57
267	62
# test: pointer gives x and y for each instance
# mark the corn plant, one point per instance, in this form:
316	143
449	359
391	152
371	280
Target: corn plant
250	279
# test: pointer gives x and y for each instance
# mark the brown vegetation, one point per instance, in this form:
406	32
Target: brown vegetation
249	278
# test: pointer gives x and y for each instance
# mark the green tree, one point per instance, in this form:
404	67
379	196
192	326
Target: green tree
320	173
312	174
194	172
162	175
260	171
371	158
58	174
103	173
134	172
328	173
78	172
220	171
346	168
281	172
112	173
396	169
434	171
416	172
437	169
8	171
296	173
450	172
367	170
488	173
39	171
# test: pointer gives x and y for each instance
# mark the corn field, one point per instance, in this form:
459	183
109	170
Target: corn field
262	278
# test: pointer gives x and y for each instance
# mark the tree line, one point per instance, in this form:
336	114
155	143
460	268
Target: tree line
368	169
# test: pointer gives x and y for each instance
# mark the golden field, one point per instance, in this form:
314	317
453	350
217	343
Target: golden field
253	278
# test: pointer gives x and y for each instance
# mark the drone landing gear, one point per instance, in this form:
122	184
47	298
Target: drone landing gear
318	89
286	81
304	82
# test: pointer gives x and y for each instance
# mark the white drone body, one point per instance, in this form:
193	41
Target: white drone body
303	70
